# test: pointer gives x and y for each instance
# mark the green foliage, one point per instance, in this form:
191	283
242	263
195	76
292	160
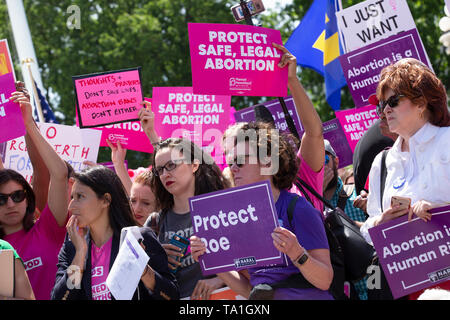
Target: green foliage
117	34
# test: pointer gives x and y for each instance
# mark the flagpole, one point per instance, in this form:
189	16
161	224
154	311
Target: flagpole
28	62
24	46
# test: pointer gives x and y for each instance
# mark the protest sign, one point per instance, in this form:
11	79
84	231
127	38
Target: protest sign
108	97
110	165
236	226
372	20
11	122
6	65
200	118
447	4
362	67
235	59
414	255
355	122
332	131
70	143
274	106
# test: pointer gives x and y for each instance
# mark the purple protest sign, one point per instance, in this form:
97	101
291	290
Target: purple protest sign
414	255
362	66
11	122
332	131
110	165
236	226
274	106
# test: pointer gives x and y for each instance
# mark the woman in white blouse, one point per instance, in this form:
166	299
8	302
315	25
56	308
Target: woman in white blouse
414	102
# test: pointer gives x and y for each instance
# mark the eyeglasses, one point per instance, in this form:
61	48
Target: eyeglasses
169	166
16	196
392	101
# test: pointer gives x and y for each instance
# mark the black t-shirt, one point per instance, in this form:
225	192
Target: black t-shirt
370	144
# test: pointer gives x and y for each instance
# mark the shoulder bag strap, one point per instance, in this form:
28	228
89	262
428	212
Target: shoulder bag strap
299	182
383	175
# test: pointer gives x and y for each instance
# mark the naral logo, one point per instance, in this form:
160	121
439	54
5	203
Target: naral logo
242	262
439	275
33	263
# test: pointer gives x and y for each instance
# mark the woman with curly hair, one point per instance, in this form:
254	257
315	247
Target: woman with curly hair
261	153
182	170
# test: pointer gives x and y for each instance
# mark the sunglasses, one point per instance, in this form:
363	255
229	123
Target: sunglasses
16	196
169	166
392	101
239	161
327	159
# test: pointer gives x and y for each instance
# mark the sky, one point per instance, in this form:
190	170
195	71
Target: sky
273	4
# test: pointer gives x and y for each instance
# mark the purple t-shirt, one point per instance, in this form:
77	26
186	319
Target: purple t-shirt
311	235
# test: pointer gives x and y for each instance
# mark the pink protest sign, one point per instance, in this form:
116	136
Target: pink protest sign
181	113
11	122
109	97
237	60
355	122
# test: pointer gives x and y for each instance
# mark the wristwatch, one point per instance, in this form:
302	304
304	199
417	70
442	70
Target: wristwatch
302	259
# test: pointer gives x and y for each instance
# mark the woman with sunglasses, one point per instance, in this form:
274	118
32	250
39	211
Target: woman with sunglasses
270	156
37	242
182	170
414	102
99	210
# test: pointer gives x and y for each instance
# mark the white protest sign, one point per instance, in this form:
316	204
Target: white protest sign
70	143
372	20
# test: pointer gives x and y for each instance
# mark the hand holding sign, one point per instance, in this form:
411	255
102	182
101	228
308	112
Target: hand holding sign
25	106
420	209
286	242
287	59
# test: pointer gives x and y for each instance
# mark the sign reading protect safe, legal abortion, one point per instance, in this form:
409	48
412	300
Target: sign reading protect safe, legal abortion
180	112
414	255
107	98
237	60
236	226
362	67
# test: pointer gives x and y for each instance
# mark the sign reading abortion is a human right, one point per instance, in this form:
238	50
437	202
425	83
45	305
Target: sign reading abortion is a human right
236	60
236	225
414	254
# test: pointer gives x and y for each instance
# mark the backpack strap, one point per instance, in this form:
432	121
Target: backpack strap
342	200
291	208
383	175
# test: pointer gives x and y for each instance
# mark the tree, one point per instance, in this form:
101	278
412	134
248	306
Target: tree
118	34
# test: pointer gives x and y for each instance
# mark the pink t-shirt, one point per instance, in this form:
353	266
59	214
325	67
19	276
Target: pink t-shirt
39	249
314	179
100	259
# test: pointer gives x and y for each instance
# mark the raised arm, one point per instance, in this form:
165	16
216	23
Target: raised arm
147	118
57	194
41	176
311	148
118	159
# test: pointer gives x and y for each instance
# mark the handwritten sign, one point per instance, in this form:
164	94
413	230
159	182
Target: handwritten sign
11	122
414	255
355	122
238	60
6	65
362	67
70	143
372	20
107	98
236	226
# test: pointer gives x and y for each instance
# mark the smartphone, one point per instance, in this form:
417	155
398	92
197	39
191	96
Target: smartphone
401	201
181	243
254	6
